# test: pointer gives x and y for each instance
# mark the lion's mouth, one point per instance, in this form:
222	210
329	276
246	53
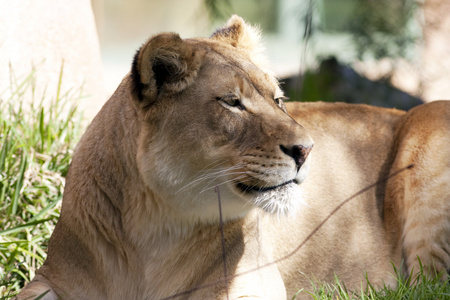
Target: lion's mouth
251	188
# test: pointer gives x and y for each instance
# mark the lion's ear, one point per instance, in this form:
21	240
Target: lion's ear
241	35
165	64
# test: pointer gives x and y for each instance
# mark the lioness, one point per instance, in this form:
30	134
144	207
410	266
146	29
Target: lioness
198	132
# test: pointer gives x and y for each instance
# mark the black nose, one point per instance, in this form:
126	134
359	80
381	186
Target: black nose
297	152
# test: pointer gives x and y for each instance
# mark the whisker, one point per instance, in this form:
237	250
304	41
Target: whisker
202	177
220	174
223	174
211	175
214	163
222	183
208	186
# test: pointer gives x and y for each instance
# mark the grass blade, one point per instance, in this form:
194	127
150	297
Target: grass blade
19	185
5	134
41	129
24	226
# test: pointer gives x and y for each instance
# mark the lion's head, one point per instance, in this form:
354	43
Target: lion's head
213	117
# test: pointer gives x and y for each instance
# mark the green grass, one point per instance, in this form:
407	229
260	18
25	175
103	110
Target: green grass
419	287
36	142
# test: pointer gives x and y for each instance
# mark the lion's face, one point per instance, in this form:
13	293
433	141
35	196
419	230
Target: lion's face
213	118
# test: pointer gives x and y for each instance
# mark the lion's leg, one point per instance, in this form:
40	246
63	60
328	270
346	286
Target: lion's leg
37	289
423	192
426	233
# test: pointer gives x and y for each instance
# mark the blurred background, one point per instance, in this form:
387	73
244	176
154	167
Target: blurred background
392	53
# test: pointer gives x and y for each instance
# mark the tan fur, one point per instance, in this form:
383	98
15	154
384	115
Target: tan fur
140	215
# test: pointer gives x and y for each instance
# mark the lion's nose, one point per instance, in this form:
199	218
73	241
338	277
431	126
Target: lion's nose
298	152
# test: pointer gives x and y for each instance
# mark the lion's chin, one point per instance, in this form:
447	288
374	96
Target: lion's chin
284	199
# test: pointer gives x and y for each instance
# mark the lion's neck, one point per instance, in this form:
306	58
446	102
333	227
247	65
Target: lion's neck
116	213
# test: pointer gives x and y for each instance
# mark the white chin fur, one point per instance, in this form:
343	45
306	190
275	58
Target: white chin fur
283	201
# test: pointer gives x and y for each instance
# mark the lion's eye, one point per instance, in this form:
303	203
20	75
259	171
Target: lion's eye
232	101
279	100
